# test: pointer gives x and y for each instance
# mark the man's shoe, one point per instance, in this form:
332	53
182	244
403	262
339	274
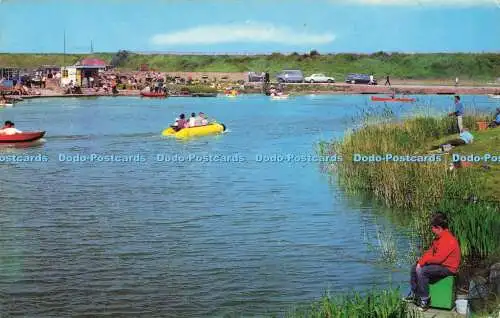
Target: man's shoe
410	298
423	305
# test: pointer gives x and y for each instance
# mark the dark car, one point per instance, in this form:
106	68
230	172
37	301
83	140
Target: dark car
359	79
290	76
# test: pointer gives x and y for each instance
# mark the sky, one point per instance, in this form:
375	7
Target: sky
250	26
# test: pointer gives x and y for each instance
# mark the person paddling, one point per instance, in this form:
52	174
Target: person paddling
180	123
9	129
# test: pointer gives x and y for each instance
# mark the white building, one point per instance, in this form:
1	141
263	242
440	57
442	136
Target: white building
86	68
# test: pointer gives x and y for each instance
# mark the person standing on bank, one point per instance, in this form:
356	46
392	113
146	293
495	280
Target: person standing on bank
442	259
459	113
387	81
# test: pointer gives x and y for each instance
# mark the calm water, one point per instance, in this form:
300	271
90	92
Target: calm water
181	238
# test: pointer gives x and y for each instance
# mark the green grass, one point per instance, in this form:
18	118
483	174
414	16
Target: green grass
377	304
416	189
414	185
481	67
476	226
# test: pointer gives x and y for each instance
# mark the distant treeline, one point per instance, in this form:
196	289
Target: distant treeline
480	66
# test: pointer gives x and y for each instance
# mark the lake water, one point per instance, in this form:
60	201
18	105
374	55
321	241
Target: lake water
175	235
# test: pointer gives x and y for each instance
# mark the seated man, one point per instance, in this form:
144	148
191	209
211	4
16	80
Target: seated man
496	122
440	260
465	137
9	129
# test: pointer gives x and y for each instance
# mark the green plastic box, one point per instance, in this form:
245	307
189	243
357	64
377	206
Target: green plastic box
442	293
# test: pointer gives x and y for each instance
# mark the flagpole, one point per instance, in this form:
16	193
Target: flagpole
64	54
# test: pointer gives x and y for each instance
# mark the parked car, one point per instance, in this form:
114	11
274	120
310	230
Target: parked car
319	78
256	77
359	79
290	76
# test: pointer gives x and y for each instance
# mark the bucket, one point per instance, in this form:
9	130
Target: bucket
461	306
482	125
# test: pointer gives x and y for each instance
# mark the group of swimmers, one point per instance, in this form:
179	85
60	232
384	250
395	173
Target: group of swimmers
9	129
193	121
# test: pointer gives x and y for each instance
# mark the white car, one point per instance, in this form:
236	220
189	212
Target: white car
319	78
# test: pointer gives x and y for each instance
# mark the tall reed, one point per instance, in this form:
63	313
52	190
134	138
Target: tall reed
419	189
408	185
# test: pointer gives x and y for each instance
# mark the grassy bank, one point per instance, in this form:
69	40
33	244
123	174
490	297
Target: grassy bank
481	67
469	196
380	304
416	185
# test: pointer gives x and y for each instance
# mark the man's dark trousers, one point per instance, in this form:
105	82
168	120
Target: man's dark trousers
427	274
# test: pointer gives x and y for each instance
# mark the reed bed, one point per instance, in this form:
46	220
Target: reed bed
376	304
407	185
476	226
418	189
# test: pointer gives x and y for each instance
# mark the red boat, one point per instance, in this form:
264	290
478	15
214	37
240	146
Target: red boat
390	99
144	94
22	137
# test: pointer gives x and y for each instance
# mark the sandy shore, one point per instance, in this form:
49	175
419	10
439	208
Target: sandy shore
305	88
343	88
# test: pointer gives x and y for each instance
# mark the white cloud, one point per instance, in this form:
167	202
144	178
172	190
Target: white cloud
454	3
243	32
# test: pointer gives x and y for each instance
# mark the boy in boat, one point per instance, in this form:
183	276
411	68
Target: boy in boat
496	121
9	129
204	120
180	123
192	120
439	261
200	119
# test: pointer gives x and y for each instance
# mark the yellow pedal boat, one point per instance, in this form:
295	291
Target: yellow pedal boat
210	129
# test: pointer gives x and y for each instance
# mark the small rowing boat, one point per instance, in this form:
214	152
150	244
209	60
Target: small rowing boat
22	137
494	96
149	94
198	131
278	97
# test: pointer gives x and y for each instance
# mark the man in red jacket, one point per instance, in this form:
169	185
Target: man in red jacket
440	260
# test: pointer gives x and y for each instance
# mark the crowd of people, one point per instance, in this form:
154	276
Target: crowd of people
193	121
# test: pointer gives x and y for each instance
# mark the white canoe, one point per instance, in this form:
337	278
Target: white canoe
494	96
280	97
7	105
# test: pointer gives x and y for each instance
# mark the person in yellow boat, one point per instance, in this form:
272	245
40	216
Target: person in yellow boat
204	120
180	123
200	120
192	120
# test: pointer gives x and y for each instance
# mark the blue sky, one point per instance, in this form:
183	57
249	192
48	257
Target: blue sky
257	26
